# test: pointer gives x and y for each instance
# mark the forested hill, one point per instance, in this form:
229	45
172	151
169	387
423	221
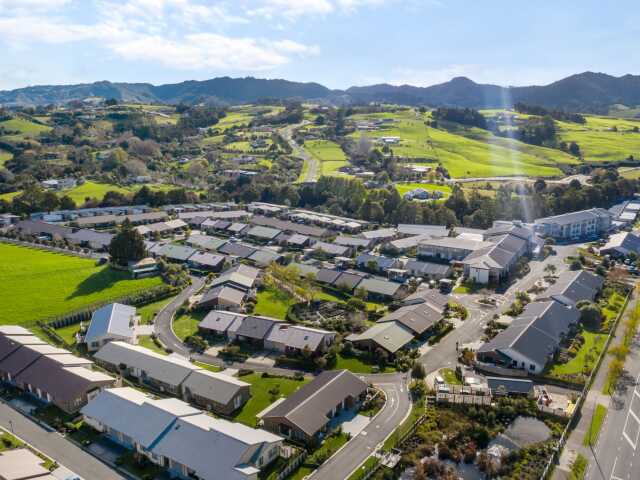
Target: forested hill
586	92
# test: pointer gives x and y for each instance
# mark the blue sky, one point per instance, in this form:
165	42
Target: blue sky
338	43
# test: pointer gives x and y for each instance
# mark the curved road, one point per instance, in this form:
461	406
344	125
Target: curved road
354	453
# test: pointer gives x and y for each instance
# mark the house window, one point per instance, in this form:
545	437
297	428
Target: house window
532	367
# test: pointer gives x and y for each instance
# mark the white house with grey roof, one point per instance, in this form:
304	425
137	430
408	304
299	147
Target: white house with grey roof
495	262
575	225
186	441
533	338
111	322
293	339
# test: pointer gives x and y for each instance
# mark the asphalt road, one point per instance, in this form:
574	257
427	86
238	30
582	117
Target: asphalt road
56	446
444	354
614	456
360	447
162	324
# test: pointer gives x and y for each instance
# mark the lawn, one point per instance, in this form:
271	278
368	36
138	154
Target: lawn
364	469
330	155
4	157
206	366
261	397
187	324
149	311
147	342
468	152
39	284
357	365
68	333
25	127
274	303
89	189
431	187
586	358
449	376
591	436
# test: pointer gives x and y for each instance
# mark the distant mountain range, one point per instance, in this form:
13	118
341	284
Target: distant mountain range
588	92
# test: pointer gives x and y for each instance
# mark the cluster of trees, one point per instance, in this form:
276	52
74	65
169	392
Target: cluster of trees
200	117
555	114
538	131
464	116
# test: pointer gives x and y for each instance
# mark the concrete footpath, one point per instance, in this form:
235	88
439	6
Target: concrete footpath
55	446
595	396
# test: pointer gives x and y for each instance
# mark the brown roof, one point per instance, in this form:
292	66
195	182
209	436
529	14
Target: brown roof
62	383
308	407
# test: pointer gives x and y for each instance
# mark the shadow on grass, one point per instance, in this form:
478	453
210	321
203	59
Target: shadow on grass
97	282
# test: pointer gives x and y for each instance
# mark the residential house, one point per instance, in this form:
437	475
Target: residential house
174	252
383	290
262	234
380	236
237	249
533	338
51	374
376	263
449	248
419	318
306	414
188	442
176	375
573	286
354	242
223	297
389	336
331	249
428	270
208	262
621	245
295	339
495	262
111	322
241	277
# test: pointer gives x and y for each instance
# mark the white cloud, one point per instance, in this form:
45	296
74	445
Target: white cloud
211	51
152	31
293	9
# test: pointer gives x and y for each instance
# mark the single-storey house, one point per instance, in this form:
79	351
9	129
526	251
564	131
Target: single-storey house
390	336
622	244
111	322
305	415
183	439
223	297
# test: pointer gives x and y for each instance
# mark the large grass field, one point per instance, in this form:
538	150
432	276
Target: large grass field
599	142
38	284
24	127
600	138
406	187
92	190
329	154
466	152
261	397
4	157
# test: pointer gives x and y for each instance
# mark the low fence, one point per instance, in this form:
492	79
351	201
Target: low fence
573	421
77	252
292	466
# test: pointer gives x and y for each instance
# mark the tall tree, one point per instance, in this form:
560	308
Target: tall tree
127	245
